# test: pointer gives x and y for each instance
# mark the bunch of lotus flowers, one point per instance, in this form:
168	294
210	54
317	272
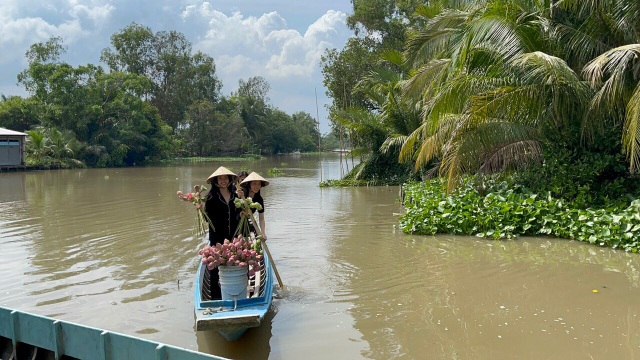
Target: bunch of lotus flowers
202	221
246	207
247	204
236	252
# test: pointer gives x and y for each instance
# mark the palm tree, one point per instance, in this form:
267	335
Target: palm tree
494	78
605	37
373	135
37	146
61	146
485	87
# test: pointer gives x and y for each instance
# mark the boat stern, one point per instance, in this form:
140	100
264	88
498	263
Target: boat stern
204	323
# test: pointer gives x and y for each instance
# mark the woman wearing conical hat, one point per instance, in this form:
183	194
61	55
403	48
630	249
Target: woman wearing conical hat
221	209
250	187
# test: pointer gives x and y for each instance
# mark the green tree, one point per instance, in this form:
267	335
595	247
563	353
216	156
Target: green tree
63	146
210	131
17	113
343	69
489	92
307	128
37	147
383	19
178	76
282	135
127	130
254	109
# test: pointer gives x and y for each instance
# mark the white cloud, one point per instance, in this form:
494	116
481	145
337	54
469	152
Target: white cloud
264	44
245	46
22	23
97	14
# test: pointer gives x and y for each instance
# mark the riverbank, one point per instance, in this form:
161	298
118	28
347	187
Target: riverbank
14	168
187	160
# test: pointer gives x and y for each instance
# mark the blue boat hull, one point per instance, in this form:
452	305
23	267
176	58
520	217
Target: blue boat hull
29	336
232	318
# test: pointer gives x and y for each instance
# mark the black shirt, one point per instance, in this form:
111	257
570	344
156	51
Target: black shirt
223	215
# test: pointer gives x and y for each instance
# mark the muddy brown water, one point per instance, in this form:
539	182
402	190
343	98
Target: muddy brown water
112	248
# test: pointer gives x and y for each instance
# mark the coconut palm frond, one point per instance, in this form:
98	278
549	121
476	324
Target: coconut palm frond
478	145
617	60
440	140
512	155
524	103
631	133
616	66
497	33
627	14
584	8
451	167
578	43
394	57
542	68
550	86
424	80
436	38
407	150
454	96
393	141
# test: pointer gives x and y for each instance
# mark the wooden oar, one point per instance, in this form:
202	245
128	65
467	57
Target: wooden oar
266	248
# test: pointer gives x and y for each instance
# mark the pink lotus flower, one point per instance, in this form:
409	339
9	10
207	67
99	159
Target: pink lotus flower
237	252
202	223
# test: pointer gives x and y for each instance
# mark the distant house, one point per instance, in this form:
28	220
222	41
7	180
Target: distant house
12	147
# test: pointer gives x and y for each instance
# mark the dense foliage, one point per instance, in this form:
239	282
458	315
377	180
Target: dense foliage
545	94
502	209
156	100
485	86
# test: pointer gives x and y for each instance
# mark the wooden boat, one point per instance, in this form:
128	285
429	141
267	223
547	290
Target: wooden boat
232	318
28	336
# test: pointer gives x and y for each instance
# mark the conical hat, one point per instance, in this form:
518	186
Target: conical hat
221	171
254	176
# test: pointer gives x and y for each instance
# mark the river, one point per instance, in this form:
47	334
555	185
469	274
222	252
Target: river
113	249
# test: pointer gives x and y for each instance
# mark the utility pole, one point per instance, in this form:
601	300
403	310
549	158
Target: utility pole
319	135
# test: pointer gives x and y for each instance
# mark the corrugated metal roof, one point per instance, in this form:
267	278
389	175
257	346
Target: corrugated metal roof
4	131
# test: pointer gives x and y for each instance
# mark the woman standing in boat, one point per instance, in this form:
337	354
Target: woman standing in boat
241	176
250	187
221	209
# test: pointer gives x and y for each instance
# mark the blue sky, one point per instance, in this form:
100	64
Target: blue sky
281	40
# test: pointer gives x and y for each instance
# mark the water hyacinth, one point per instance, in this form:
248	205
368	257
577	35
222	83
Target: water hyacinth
240	251
202	221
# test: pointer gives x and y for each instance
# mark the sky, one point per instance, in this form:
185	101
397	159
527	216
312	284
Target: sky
280	40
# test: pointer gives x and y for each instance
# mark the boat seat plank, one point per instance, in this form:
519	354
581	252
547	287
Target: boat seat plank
257	285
